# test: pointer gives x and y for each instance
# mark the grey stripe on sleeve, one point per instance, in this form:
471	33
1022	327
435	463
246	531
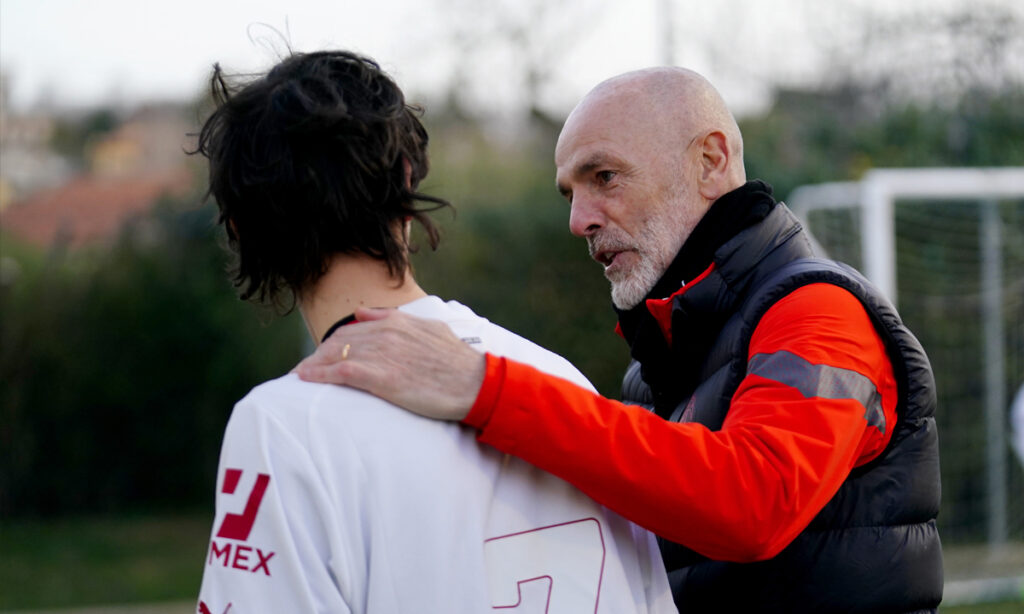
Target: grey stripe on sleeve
821	381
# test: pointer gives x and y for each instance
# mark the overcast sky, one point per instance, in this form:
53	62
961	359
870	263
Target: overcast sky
71	53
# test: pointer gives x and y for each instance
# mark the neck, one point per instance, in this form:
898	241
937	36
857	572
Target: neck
353	281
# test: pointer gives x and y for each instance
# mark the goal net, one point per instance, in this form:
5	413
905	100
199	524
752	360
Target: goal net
947	246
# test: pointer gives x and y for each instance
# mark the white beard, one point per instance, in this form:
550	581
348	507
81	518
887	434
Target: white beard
628	291
660	239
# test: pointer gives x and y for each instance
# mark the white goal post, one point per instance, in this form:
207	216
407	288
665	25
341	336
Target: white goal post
878	190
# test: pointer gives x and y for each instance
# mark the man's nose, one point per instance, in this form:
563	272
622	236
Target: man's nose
585	216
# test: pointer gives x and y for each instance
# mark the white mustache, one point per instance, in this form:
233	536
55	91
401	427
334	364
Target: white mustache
607	242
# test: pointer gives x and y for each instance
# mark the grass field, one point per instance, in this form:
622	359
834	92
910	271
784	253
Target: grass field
92	561
78	563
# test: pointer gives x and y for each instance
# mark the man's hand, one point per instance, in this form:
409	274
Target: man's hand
415	363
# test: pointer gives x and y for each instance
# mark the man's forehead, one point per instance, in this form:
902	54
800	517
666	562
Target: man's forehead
581	147
601	128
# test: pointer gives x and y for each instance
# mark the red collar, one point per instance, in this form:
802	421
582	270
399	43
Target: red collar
661	308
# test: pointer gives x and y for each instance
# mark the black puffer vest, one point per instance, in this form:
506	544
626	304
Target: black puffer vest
875	546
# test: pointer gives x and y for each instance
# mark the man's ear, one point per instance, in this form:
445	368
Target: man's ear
714	166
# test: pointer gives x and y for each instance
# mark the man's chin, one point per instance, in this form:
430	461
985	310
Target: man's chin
629	290
626	296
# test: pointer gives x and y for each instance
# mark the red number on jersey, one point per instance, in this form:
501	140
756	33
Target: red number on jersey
550	569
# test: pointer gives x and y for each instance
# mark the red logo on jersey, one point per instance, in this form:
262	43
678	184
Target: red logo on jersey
242	558
238	526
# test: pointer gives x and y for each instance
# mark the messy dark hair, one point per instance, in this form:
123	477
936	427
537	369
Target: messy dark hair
309	161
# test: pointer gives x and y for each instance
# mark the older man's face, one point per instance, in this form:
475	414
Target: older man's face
630	184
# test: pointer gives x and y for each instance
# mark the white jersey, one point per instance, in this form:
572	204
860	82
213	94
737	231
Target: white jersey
332	500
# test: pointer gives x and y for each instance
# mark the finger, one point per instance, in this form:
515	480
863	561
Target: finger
326	373
327	353
344	374
308	361
333	349
365	314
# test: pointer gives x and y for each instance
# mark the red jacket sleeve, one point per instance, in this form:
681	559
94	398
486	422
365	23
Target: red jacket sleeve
741	493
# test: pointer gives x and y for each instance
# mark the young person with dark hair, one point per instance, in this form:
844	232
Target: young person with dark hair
330	499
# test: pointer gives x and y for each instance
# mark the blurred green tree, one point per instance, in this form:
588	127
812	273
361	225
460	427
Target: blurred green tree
119	367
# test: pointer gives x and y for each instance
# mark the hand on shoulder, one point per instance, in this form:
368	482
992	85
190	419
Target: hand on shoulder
415	363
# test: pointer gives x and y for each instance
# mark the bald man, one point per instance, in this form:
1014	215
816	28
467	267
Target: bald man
777	431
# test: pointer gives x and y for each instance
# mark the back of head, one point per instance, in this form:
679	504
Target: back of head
321	156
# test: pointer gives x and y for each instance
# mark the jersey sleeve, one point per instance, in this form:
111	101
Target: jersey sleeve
268	549
741	493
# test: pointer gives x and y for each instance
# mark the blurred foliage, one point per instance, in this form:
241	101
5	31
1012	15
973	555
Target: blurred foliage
119	367
840	133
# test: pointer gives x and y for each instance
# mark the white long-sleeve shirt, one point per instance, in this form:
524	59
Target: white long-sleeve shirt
332	500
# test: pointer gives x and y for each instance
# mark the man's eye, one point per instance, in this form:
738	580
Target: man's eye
605	176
